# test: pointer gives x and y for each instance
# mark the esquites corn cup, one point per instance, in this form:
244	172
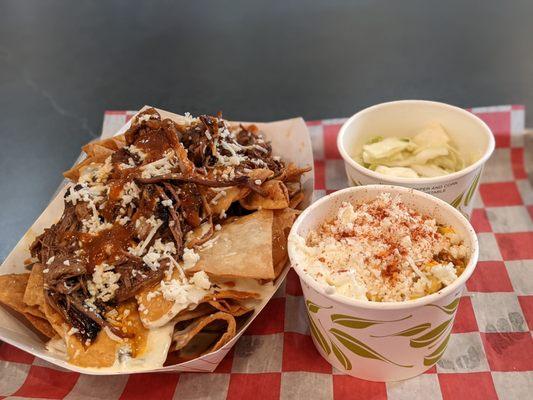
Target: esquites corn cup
380	340
470	136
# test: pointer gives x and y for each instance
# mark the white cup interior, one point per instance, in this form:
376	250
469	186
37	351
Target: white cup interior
327	207
470	134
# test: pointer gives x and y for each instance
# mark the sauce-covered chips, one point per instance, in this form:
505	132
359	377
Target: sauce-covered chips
171	235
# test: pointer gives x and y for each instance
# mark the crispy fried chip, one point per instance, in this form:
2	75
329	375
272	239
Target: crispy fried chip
12	288
221	200
42	325
157	310
34	293
295	200
140	346
200	311
74	173
112	143
183	179
232	294
55	319
200	235
101	353
230	307
241	249
283	220
277	197
97	152
292	173
260	173
183	337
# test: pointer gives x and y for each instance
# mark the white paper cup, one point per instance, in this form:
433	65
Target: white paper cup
405	118
381	341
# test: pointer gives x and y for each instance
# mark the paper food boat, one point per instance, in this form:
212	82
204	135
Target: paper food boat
290	140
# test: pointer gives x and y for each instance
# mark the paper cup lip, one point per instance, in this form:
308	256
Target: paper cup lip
372	305
414	181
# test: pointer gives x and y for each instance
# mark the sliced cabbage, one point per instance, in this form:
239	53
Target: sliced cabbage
384	148
401	172
430	153
432	135
427	154
429	170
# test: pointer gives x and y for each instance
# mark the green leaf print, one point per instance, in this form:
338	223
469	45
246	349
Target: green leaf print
353	182
415	330
449	308
437	354
358	323
472	189
317	334
457	201
430	337
361	349
341	357
313	307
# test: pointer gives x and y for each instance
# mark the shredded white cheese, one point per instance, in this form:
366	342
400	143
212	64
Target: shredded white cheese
158	251
104	282
380	250
190	258
159	167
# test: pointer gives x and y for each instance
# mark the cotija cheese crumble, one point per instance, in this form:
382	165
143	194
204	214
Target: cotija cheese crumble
382	251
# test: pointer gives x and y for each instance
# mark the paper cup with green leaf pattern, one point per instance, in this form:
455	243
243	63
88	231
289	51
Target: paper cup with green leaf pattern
472	137
381	341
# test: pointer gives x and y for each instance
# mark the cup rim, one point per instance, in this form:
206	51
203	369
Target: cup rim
413	181
395	305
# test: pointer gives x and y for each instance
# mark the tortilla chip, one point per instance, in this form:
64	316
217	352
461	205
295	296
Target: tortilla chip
292	173
295	200
42	325
34	293
99	152
277	197
232	294
104	350
35	311
200	234
197	346
183	337
219	203
283	220
113	143
74	173
55	319
200	311
241	249
12	288
260	173
230	307
100	354
158	311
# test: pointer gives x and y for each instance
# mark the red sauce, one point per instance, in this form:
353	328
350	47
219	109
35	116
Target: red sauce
116	184
107	245
153	144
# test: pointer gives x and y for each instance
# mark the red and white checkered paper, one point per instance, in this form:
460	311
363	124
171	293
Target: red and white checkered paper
489	356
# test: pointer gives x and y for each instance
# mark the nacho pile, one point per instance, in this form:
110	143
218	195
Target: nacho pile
171	234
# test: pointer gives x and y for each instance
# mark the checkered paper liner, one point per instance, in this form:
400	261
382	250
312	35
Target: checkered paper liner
489	356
